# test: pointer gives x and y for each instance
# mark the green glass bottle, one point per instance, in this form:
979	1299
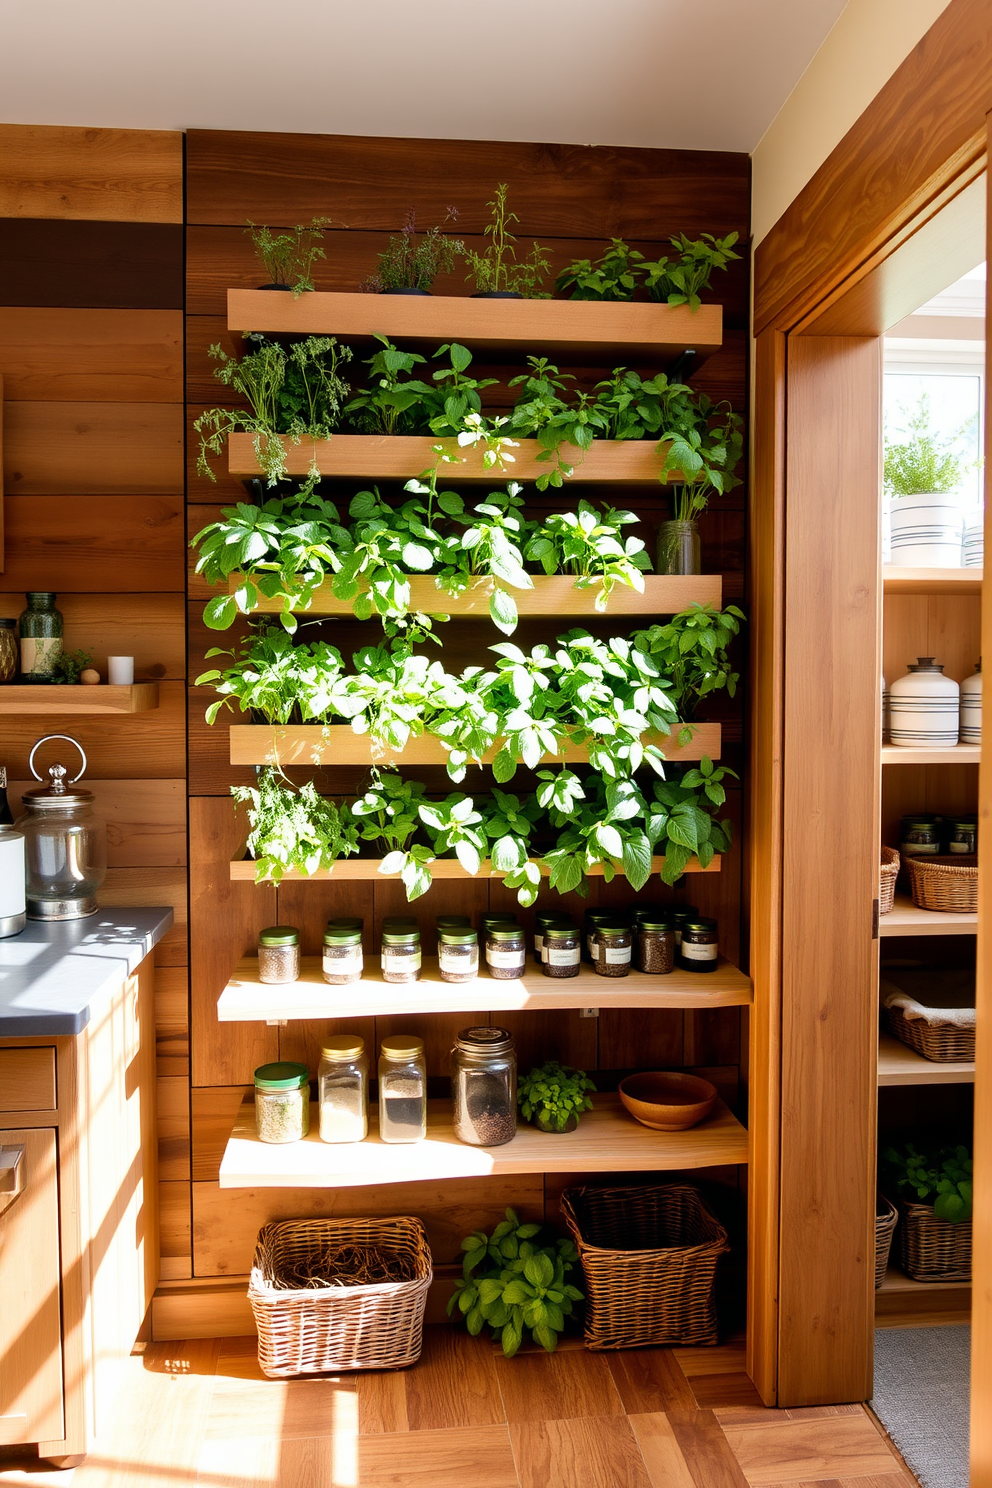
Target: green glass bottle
41	637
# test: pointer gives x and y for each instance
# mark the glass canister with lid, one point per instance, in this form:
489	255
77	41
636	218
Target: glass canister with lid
542	919
962	835
343	960
919	835
65	844
562	951
282	1102
700	946
484	1086
506	951
278	954
343	1088
458	954
402	1089
401	957
655	944
593	919
611	947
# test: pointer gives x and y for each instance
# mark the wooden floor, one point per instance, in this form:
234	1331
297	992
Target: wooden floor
464	1417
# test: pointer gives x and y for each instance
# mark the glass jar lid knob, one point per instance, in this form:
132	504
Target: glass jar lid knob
57	772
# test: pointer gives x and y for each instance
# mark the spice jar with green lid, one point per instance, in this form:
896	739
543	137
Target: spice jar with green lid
542	919
655	944
401	957
678	914
498	917
282	1102
458	954
612	944
962	835
278	954
594	918
700	945
919	835
506	952
562	951
342	960
343	1088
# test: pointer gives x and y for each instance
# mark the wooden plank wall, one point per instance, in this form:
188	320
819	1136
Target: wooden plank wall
91	353
572	198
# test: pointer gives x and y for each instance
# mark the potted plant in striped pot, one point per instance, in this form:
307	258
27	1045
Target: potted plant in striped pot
923	474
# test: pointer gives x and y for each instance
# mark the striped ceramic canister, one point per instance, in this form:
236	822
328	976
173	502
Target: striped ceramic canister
971	707
927	531
924	706
974	544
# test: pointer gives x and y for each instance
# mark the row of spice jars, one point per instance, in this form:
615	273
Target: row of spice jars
923	834
483	1089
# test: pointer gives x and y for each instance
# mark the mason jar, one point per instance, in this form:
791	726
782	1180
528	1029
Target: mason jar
282	1102
342	961
278	954
458	954
484	1087
343	1088
402	1089
401	957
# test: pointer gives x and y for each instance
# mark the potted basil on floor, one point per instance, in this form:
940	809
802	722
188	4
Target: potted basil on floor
553	1097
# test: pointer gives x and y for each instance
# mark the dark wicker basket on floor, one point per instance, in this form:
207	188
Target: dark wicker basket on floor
942	1045
317	1330
931	1249
885	1225
649	1257
887	875
948	884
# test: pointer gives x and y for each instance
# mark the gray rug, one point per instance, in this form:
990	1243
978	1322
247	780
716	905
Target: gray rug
922	1385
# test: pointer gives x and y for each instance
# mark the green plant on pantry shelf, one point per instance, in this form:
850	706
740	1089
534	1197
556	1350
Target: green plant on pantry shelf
542	412
590	545
553	1095
390	403
635	408
691	651
678	281
614	276
292	827
496	270
278	681
510	823
938	1175
409	263
924	463
511	1282
288	257
388	815
705	443
681	817
456	396
68	665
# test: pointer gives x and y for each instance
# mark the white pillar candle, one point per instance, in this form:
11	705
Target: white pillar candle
120	670
12	902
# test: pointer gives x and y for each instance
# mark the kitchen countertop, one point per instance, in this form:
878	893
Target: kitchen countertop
54	976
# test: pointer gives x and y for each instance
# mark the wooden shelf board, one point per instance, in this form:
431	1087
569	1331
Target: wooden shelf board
607	1140
246	999
906	919
554	595
661	331
901	1302
338	744
364	869
900	1065
60	698
931	580
921	754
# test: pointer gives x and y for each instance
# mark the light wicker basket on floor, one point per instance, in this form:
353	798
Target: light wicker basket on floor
887	875
331	1329
931	1249
947	883
946	1045
884	1228
649	1257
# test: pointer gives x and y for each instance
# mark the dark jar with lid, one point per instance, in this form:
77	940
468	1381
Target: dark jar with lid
542	919
655	945
562	951
611	948
700	946
593	919
401	956
278	954
458	954
506	951
342	961
484	1087
962	836
919	835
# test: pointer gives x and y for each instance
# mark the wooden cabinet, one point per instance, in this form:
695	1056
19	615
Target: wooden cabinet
30	1329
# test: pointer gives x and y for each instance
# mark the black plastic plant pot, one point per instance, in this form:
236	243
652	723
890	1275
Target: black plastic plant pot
496	294
405	291
287	287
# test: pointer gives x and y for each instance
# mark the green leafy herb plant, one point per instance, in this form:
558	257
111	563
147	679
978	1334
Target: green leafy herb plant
554	1096
679	281
496	270
69	664
705	443
288	257
941	1176
691	651
511	1282
292	827
614	276
412	261
923	463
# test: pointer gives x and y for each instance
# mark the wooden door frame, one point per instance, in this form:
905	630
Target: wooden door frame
887	221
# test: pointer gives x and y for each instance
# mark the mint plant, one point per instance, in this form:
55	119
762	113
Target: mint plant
938	1175
679	281
613	276
691	651
510	1282
554	1094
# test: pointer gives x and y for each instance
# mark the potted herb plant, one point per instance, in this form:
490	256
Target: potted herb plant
511	1281
553	1097
409	263
934	1190
288	257
496	273
922	475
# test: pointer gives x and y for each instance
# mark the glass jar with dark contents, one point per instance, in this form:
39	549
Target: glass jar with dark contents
506	952
484	1087
342	960
542	919
278	954
458	955
593	919
700	945
655	945
962	835
401	954
678	914
612	944
402	1089
562	951
919	835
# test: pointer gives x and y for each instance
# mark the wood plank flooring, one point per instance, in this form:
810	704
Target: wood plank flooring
464	1417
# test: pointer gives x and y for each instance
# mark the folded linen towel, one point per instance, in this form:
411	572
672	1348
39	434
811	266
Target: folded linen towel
937	1017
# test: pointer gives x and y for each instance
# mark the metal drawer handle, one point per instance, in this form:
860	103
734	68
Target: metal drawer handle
12	1176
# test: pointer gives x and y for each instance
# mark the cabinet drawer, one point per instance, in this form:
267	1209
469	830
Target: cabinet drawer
27	1080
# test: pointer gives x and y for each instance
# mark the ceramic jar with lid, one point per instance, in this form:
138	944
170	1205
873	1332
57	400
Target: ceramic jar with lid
971	707
65	845
924	706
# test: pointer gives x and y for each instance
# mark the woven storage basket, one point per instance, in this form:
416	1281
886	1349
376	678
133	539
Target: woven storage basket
942	1045
884	1228
948	883
931	1249
330	1329
649	1257
888	873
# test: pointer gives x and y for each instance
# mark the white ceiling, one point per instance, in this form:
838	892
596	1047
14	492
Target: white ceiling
689	74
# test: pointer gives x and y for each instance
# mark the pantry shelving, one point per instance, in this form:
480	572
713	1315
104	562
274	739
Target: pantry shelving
31	700
931	580
902	1302
243	869
905	919
920	754
900	1065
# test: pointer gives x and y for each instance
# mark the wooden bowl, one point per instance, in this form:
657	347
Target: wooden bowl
667	1100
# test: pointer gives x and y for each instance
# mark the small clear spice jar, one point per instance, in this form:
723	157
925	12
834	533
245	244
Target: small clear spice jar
402	1089
655	945
278	954
401	954
458	954
593	919
506	952
282	1102
343	1089
612	949
562	951
919	835
542	920
343	960
484	1086
962	836
700	945
678	914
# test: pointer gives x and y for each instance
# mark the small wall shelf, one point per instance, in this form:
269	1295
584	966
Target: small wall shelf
662	332
338	744
900	1301
931	580
139	697
927	754
900	1065
554	595
906	919
606	1141
246	999
364	869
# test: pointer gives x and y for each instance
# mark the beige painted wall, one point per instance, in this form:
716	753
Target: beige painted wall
869	41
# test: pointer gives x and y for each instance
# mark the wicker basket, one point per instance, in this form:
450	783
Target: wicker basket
941	1045
649	1256
885	1224
947	883
931	1249
331	1329
888	873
